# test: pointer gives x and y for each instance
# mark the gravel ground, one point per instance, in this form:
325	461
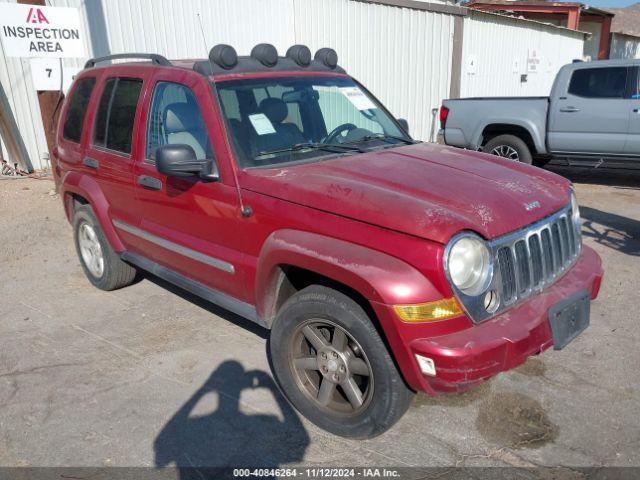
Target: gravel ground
148	375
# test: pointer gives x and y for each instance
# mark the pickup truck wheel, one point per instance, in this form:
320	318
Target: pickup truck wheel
101	264
510	147
332	365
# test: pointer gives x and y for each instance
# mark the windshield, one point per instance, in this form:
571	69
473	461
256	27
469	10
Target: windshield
291	119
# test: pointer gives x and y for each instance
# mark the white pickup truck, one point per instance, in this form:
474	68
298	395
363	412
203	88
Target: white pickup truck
591	116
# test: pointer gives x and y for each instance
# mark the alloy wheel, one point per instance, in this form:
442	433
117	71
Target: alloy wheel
506	151
90	249
330	367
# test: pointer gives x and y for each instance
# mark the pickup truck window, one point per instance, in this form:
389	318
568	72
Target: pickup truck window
599	82
116	113
635	91
175	117
77	109
269	120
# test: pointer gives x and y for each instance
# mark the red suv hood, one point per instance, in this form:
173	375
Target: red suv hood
426	190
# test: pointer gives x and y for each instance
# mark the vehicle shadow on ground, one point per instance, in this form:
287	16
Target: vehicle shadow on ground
618	178
611	230
208	306
201	446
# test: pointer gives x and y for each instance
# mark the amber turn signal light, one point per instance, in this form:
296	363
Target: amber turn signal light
430	311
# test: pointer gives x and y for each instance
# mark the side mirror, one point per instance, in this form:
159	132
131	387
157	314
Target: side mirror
404	124
179	160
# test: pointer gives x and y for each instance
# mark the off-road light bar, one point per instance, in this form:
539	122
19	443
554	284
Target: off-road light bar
225	57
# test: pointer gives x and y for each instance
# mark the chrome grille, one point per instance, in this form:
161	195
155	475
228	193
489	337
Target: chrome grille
524	263
507	272
534	257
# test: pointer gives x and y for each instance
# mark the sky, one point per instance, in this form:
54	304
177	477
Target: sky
610	3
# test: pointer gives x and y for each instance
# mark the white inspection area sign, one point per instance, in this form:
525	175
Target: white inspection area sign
35	31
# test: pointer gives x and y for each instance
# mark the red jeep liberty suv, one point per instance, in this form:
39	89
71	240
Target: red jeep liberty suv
282	190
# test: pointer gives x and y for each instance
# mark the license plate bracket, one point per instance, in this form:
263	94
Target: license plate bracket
569	318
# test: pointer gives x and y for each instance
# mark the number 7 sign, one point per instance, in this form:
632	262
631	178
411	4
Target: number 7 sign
46	74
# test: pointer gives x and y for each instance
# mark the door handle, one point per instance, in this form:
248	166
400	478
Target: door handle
91	163
569	109
150	182
636	110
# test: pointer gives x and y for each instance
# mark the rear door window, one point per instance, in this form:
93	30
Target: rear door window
74	121
608	82
113	128
102	116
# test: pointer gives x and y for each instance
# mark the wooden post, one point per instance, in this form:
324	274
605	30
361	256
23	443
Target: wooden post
605	34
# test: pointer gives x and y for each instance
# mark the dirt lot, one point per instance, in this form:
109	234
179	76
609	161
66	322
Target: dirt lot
149	376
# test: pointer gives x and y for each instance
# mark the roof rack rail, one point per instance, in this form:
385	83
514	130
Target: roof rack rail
155	58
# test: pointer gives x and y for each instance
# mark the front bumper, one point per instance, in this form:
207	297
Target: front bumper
473	354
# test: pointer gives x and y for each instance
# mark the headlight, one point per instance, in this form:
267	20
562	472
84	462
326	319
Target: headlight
469	265
575	211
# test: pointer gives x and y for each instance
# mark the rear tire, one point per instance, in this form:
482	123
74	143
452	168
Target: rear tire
509	147
344	379
101	264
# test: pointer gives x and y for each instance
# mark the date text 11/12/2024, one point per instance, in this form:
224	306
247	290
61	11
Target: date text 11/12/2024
319	472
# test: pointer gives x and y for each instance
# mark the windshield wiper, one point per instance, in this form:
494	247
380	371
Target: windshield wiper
329	147
386	138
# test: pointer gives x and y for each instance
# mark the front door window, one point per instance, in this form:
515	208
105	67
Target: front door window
175	118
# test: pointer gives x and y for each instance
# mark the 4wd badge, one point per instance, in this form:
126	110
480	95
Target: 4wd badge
532	205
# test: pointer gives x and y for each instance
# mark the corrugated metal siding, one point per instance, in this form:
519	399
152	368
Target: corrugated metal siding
497	42
624	46
15	76
160	26
402	56
172	28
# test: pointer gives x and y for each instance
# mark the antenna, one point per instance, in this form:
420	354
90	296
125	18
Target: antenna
244	210
204	40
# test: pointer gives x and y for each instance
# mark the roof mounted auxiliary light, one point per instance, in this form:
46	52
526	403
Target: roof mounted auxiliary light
264	57
266	54
224	56
300	54
328	57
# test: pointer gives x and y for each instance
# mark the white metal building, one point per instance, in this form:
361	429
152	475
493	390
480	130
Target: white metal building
624	46
411	54
502	48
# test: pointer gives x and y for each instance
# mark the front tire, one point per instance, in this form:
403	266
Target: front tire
101	264
332	365
509	147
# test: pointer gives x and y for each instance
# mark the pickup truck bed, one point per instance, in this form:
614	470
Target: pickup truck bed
517	115
592	115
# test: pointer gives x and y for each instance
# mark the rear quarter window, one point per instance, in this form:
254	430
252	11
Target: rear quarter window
78	104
